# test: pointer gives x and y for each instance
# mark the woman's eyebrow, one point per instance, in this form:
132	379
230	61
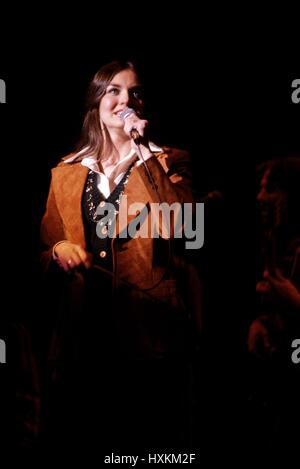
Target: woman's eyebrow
114	85
118	86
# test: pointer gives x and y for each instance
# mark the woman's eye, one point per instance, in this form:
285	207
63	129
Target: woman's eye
137	94
113	91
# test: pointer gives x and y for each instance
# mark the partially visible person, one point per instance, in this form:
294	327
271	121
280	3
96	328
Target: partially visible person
279	289
273	377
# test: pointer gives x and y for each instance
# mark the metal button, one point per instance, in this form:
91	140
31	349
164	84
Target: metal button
102	254
104	230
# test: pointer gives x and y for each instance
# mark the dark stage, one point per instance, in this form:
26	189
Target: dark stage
231	111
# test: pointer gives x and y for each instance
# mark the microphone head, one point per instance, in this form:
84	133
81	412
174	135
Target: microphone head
128	111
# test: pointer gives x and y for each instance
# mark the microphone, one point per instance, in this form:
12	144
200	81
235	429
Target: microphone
134	134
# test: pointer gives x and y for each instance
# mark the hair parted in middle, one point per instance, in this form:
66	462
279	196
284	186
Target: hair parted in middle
93	136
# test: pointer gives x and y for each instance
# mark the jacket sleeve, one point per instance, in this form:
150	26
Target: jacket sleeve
52	230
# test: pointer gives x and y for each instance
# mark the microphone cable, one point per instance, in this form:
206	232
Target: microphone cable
136	137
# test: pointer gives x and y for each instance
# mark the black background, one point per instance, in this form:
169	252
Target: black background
218	90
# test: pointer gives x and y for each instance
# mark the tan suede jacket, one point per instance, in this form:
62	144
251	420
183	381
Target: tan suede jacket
136	261
149	277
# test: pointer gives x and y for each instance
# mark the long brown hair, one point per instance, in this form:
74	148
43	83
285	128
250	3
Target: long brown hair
91	141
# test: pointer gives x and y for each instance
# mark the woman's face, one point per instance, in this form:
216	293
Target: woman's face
123	91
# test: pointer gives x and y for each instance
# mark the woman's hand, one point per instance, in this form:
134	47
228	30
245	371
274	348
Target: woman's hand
140	126
283	288
69	256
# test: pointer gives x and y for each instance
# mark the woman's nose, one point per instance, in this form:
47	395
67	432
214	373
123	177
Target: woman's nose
124	97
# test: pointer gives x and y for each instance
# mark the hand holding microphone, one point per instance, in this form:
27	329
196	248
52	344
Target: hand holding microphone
133	125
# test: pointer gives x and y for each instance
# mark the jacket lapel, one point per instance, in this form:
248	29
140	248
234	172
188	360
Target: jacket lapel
135	193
